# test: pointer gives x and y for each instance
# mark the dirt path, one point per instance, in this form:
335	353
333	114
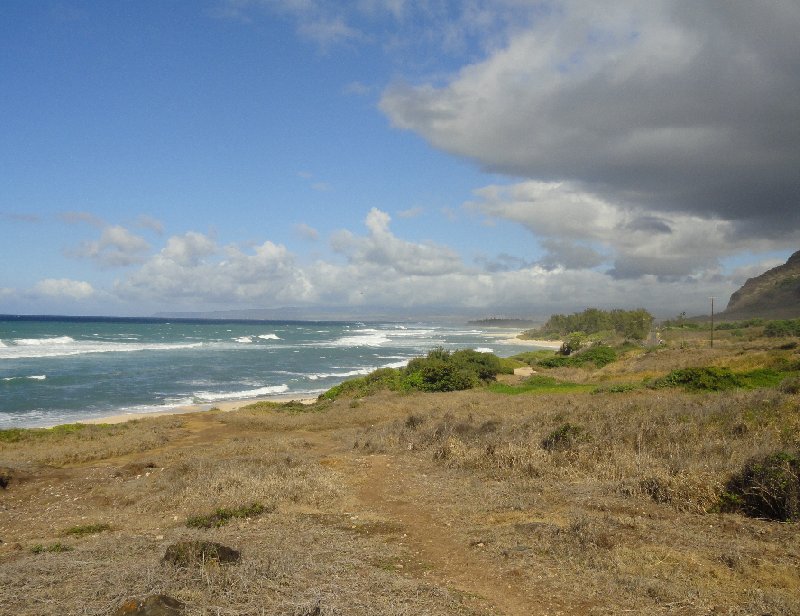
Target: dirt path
395	492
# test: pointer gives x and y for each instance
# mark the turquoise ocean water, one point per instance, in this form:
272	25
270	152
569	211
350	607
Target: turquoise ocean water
59	370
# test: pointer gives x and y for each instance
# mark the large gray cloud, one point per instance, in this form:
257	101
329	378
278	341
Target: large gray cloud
670	106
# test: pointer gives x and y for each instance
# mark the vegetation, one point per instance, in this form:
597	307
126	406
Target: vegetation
440	370
82	530
53	548
767	487
539	383
600	355
628	324
712	378
222	516
779	329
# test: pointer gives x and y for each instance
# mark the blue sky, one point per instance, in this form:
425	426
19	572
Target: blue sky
506	157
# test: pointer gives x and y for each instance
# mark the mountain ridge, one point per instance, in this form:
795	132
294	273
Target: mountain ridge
775	294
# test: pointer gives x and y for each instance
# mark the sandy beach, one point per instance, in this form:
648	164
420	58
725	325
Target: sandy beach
231	405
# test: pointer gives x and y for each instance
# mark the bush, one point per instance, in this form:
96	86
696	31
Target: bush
222	516
780	329
790	385
767	487
442	370
706	378
563	438
600	355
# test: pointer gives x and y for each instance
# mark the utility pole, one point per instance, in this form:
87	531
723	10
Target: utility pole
712	322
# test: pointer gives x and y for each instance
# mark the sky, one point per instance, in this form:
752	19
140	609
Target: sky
407	157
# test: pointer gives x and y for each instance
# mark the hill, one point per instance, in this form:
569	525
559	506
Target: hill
775	294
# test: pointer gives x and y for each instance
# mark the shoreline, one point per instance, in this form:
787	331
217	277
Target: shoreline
225	407
233	405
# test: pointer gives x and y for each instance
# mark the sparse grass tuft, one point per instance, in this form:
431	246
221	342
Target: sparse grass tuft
86	529
222	516
53	548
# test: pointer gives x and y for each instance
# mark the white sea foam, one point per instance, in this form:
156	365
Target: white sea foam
397	364
268	337
484	350
2	344
33	377
364	337
338	375
244	339
63	348
208	396
43	341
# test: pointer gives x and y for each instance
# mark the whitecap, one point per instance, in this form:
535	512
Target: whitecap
244	339
268	337
208	396
81	348
366	337
43	341
331	375
484	350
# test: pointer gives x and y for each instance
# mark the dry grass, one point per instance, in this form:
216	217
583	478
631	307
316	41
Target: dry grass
459	503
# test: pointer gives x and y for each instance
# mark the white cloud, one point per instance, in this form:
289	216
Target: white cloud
153	224
382	251
64	288
412	212
306	232
188	249
579	229
117	247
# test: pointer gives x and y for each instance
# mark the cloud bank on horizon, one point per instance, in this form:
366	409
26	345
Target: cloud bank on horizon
649	152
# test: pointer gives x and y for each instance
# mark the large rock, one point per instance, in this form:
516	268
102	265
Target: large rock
185	553
154	605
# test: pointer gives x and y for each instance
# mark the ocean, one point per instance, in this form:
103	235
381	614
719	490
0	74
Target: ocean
56	370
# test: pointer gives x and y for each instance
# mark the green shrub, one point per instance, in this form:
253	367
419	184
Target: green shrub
442	370
533	357
222	516
767	487
780	329
707	378
616	388
53	548
383	378
600	355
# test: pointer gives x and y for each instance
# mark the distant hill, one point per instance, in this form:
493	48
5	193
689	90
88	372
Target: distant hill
775	294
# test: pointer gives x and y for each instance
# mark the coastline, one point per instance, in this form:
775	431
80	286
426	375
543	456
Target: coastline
503	337
225	407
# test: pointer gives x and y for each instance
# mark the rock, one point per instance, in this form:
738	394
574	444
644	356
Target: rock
185	553
154	605
5	477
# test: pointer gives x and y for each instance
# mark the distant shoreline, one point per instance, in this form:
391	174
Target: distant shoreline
225	407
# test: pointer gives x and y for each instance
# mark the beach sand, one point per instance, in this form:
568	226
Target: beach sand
230	405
